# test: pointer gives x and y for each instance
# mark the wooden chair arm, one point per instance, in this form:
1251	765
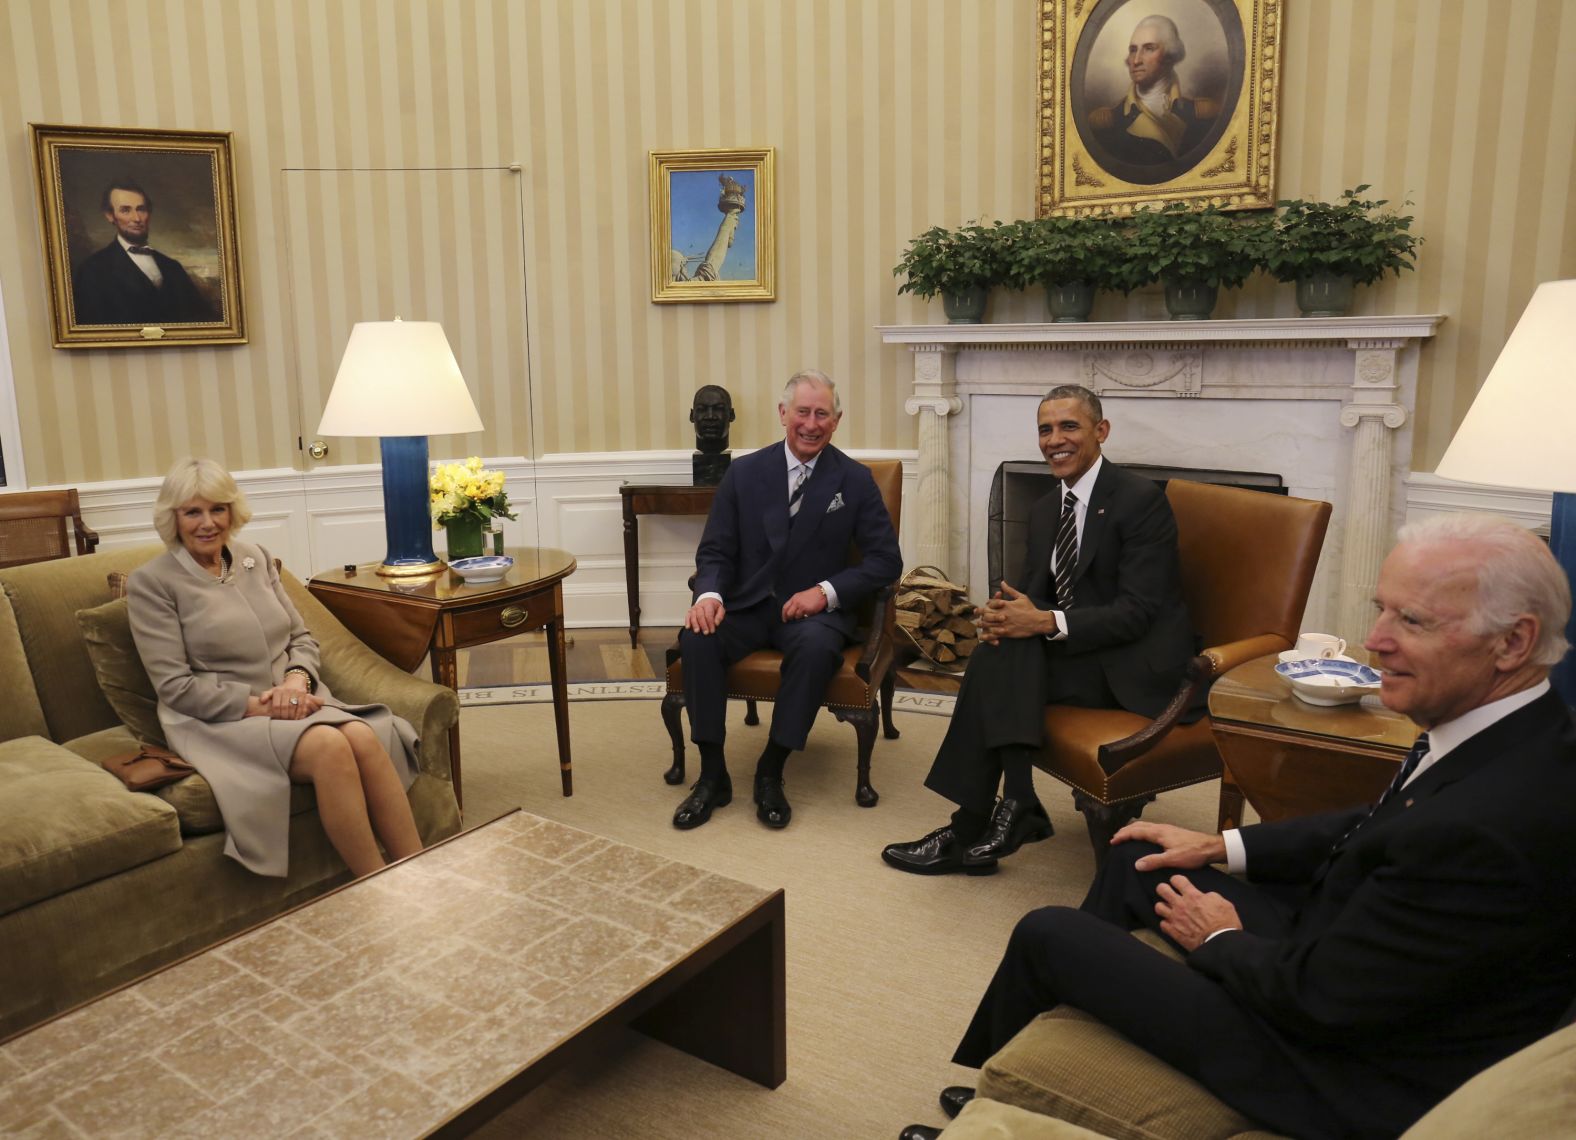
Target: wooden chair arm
1201	672
879	636
87	538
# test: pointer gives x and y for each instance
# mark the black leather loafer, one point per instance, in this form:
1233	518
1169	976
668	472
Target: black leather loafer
771	806
919	1132
1013	824
953	1098
938	853
697	806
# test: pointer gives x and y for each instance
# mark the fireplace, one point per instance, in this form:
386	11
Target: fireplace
1324	401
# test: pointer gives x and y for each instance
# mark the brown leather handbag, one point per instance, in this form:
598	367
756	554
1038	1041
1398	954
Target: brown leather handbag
148	768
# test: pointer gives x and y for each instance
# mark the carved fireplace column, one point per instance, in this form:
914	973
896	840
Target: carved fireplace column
933	401
1375	415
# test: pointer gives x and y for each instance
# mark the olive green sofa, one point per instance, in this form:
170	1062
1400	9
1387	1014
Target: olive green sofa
99	884
1066	1076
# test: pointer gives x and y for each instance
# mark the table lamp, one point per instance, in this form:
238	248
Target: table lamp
1518	431
399	381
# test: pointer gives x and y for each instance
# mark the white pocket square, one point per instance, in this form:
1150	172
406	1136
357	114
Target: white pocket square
836	504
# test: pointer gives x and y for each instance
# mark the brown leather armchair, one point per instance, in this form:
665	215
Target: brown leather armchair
1248	560
858	691
33	527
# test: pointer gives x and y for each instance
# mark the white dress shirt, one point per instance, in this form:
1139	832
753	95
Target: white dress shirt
1083	488
143	261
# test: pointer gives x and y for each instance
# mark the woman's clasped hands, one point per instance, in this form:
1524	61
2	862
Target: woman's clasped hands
287	701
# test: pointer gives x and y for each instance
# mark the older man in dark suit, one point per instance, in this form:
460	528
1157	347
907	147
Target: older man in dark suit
1099	622
1375	958
772	570
128	282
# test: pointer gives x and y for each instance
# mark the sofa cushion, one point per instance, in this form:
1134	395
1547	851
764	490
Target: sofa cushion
1528	1096
106	630
191	798
1068	1065
46	597
20	712
65	822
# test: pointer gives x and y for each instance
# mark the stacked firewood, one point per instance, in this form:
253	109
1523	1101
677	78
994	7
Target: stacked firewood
937	617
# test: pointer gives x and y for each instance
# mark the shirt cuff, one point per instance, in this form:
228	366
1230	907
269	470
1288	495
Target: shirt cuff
831	595
1215	933
1236	852
710	594
1061	627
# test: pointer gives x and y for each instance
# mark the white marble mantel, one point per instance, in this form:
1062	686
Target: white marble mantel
1325	402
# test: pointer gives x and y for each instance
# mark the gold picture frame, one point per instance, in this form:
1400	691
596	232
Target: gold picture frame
697	255
161	267
1214	138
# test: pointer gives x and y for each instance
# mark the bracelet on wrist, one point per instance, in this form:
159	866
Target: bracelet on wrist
311	681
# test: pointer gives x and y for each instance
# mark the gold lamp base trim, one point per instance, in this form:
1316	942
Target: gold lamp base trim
412	570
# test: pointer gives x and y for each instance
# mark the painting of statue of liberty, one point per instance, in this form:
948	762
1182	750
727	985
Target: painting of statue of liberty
711	215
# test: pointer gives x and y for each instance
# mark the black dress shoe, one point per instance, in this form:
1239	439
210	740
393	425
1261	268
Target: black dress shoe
919	1132
1013	824
953	1098
705	795
771	806
938	853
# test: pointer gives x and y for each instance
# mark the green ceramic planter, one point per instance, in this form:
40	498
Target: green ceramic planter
1325	295
1069	302
965	308
1190	300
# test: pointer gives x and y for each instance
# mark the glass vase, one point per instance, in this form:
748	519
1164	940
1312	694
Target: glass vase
464	538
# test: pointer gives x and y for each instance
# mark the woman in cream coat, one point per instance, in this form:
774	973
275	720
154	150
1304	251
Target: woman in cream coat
236	673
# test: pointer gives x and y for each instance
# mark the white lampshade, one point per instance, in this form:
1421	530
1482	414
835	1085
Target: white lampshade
399	378
1518	432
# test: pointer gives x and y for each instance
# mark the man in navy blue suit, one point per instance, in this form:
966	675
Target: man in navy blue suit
772	571
1373	959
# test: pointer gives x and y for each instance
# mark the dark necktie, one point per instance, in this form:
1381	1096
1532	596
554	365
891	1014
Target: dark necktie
798	490
1066	551
1408	766
139	249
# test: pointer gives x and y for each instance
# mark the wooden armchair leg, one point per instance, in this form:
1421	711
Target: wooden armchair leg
671	704
750	715
1105	820
864	722
888	691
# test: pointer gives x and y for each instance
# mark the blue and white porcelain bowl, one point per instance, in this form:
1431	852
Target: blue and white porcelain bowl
487	568
1329	680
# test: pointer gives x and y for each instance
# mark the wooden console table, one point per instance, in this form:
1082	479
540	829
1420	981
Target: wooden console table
1291	758
653	499
404	619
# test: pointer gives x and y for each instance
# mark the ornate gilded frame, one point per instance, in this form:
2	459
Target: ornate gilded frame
685	184
189	176
1087	166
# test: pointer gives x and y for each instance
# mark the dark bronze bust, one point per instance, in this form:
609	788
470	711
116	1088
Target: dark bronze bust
711	413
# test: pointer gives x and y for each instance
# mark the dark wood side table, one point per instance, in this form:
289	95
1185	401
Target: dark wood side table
404	619
653	499
1291	758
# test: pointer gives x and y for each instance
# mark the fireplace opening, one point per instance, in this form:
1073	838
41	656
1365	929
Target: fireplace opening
1018	484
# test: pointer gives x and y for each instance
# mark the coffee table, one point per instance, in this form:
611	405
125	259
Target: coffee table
1292	758
420	1000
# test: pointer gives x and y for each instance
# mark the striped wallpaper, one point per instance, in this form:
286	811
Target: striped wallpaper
887	116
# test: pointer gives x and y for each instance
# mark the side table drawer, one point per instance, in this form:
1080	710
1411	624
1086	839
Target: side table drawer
503	619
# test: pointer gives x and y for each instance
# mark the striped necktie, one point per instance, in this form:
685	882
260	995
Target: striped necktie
1066	551
1403	774
798	490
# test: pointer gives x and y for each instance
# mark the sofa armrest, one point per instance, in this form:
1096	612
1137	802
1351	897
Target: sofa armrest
357	675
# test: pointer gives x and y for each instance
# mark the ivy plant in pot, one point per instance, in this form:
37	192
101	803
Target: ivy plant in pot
1329	247
1194	251
960	265
1071	257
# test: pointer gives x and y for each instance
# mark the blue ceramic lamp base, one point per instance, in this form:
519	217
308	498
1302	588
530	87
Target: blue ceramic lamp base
1562	542
407	521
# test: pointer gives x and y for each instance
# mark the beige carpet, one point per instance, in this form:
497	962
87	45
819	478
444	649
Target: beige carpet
884	968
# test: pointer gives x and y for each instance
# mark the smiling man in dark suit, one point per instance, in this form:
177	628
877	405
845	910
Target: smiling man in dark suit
1375	958
128	282
772	571
1099	622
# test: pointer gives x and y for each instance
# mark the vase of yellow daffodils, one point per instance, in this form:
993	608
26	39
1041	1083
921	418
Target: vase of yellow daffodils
465	498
